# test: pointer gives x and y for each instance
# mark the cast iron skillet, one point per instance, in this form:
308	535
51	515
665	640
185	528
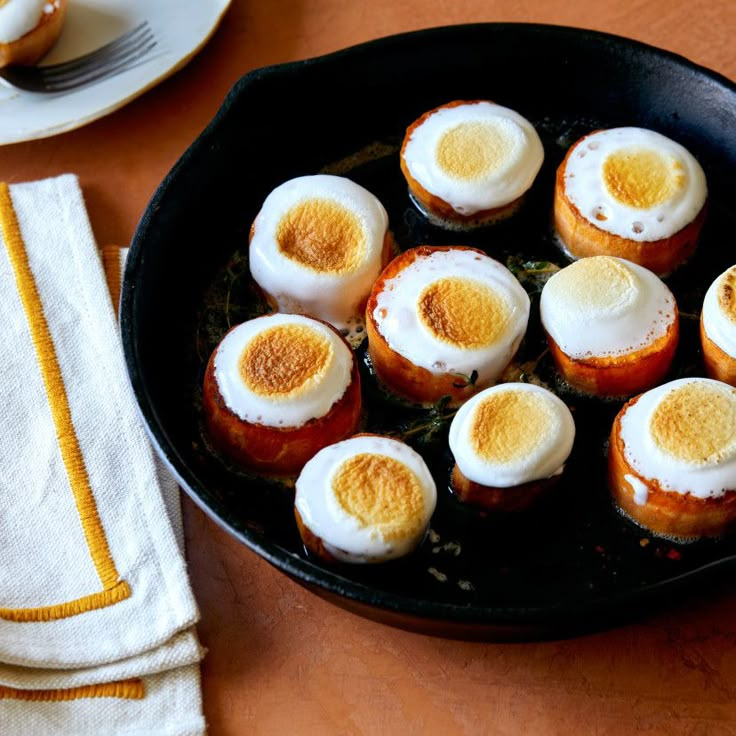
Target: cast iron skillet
570	566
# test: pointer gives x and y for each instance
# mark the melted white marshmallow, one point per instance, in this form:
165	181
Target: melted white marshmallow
500	176
18	17
652	170
336	295
605	307
311	400
343	535
398	318
708	477
719	321
641	491
533	444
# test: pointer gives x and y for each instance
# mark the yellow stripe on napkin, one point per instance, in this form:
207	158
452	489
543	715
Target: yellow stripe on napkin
129	689
114	589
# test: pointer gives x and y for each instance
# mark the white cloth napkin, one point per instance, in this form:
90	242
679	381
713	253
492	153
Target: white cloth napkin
96	611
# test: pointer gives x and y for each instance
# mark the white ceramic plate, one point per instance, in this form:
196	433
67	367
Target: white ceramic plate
181	30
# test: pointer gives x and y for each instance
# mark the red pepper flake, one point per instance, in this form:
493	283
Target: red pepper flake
673	554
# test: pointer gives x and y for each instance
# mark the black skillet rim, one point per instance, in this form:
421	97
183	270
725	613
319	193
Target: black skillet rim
593	613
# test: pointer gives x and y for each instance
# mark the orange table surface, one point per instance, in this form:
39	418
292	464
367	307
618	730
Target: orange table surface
282	660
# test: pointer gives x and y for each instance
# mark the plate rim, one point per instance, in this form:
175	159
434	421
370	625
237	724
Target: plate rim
26	134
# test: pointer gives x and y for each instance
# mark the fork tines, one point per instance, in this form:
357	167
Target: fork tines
104	62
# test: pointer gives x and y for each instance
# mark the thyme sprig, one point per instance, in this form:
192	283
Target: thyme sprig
466	380
427	428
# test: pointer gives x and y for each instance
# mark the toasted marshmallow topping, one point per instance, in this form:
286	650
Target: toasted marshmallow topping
727	294
474	156
454	311
464	313
322	235
641	178
509	425
719	312
511	434
266	372
282	370
605	307
18	17
475	150
380	491
368	498
696	424
634	183
683	435
317	247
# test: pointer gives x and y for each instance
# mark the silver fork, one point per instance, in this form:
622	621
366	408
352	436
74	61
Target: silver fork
104	62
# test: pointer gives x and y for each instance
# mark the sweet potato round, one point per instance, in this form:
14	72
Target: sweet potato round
667	513
314	544
582	238
619	375
436	207
277	450
32	46
491	498
718	364
400	375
